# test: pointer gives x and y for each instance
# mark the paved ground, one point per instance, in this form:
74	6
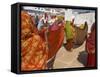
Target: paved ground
67	59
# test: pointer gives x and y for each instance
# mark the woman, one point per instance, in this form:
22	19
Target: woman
90	46
33	48
55	40
70	34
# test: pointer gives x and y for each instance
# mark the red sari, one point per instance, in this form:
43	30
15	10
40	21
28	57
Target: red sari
55	38
90	46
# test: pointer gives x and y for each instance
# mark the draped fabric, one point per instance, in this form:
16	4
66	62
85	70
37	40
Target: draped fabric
70	35
90	46
81	34
42	33
55	38
34	53
33	49
91	60
91	42
68	30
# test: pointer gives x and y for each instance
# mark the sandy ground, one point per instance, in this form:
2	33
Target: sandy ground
67	59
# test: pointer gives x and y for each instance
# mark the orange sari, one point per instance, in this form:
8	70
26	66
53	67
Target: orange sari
33	49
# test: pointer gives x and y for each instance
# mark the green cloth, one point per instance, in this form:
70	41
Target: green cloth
68	31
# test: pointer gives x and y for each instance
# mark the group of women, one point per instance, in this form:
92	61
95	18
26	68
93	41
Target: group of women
39	44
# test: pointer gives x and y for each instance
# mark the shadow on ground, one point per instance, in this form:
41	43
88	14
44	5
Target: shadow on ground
83	57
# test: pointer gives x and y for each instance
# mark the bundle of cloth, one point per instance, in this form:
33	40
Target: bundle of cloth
33	49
